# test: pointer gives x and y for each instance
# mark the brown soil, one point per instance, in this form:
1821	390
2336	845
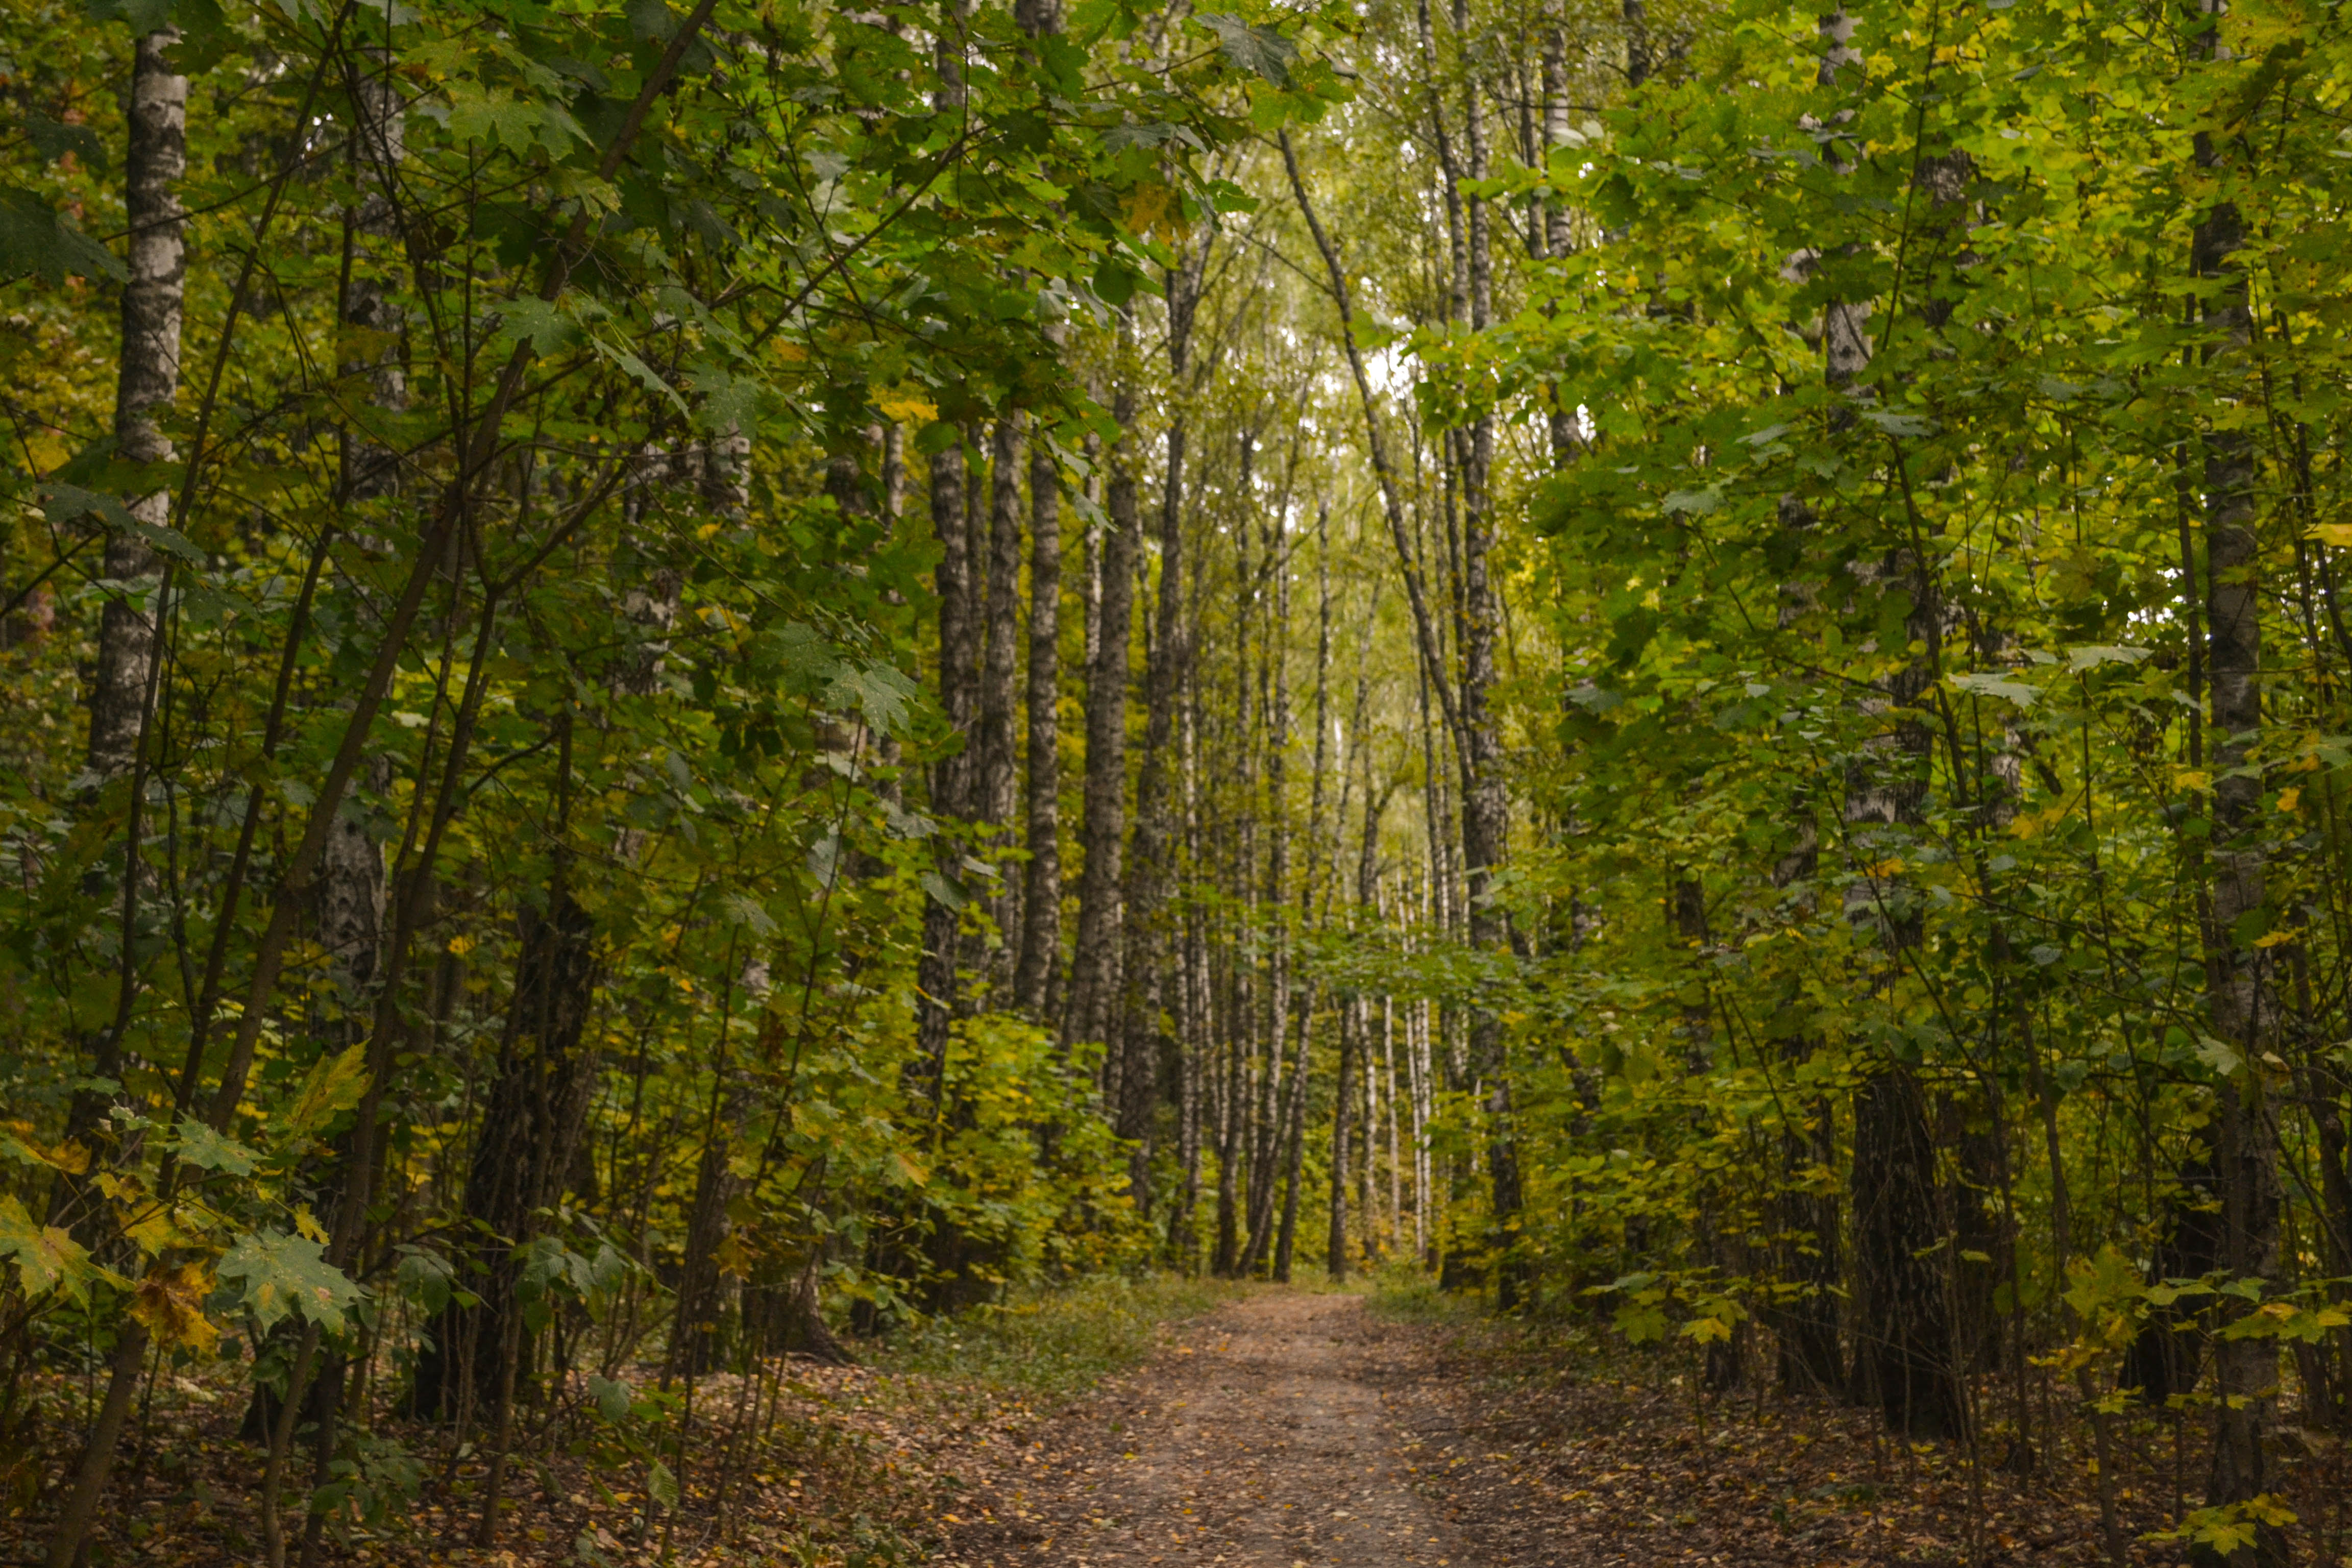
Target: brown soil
1292	1429
1265	1434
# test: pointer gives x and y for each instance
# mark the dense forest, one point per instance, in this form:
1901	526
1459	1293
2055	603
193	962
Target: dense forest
683	687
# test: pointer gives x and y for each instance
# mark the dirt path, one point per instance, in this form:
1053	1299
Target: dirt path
1260	1437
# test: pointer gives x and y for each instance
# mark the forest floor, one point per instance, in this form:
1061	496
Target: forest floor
1289	1429
1170	1423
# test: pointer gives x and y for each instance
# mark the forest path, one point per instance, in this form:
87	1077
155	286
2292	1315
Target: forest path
1261	1437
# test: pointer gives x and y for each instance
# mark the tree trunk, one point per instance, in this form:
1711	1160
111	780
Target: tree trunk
1486	808
1094	967
951	776
1293	1143
1273	1103
996	740
155	159
2238	986
1036	973
1335	1249
1195	1060
1899	1236
532	1118
1151	863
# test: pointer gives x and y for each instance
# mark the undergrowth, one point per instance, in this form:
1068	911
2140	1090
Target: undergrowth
1404	1292
1051	1342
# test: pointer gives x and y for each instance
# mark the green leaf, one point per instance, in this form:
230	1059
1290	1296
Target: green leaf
70	503
142	16
2094	655
36	237
612	1396
1906	426
333	1085
2218	1055
53	140
660	1485
1989	685
48	1259
881	692
200	1146
548	328
1258	49
290	1274
652	21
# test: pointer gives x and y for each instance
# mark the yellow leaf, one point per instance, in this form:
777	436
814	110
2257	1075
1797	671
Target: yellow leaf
907	407
158	1230
47	452
307	1223
17	1143
1149	208
2275	938
2338	535
47	1257
2191	778
2289	799
171	1302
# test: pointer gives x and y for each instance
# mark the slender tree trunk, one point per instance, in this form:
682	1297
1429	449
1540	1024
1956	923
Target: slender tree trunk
155	159
147	375
1485	811
1150	865
1294	1141
1035	976
952	774
1334	1250
1236	1130
1195	1061
997	765
1273	1105
525	1153
2240	988
351	890
1095	969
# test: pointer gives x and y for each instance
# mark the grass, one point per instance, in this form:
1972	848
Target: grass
1404	1292
1051	1342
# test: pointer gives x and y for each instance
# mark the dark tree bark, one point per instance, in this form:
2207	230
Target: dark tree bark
1294	1141
1036	975
1195	1060
1276	1091
1486	807
997	740
1150	861
951	776
2240	989
1095	968
1899	1264
527	1151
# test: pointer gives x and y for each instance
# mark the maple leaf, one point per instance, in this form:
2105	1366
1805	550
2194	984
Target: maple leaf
334	1084
290	1273
171	1302
47	1257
